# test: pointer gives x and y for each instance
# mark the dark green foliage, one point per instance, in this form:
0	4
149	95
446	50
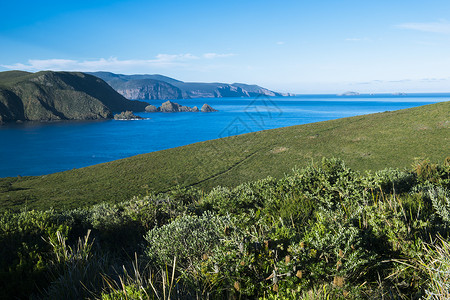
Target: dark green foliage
323	231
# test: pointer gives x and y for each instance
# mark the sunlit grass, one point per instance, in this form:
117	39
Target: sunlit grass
371	142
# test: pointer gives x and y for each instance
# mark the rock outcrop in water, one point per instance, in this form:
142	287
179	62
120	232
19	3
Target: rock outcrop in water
151	108
127	115
49	96
169	107
207	108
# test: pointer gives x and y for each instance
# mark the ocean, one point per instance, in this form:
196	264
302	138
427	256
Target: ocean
44	148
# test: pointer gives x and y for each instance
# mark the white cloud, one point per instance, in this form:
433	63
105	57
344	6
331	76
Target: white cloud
174	57
112	64
435	27
280	43
217	55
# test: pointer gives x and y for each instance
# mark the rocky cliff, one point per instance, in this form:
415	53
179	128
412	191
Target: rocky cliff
139	87
161	87
47	96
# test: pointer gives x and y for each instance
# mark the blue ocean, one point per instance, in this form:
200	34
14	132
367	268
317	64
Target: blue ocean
43	148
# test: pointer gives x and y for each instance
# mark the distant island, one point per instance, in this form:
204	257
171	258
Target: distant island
349	93
149	87
51	96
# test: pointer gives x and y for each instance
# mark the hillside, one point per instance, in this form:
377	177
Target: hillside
162	87
370	142
48	96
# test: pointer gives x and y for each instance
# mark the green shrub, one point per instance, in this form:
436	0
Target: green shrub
440	198
393	180
187	238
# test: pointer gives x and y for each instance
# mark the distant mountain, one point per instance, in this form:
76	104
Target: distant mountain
148	87
47	96
141	87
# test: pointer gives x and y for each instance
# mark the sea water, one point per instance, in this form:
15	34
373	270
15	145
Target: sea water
43	148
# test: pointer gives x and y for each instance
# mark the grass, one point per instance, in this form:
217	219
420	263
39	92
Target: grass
371	142
9	78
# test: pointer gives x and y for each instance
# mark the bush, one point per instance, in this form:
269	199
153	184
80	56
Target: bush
187	238
393	181
440	198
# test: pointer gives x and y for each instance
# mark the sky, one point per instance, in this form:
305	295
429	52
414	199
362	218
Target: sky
322	46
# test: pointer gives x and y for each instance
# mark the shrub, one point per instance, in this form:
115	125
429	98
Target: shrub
187	238
440	198
393	181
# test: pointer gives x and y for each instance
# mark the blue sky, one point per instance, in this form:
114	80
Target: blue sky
298	46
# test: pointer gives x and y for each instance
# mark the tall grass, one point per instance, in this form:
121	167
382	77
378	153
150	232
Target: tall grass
437	265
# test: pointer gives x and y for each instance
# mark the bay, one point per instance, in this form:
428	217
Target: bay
43	148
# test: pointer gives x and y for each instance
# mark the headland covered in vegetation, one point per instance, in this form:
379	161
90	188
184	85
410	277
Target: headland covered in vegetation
233	218
51	96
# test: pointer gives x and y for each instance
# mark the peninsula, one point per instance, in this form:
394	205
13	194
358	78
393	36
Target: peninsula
51	96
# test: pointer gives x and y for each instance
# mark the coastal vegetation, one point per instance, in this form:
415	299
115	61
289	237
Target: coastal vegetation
371	142
321	232
226	219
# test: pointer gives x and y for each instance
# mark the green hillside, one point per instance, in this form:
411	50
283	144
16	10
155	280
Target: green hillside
372	142
48	96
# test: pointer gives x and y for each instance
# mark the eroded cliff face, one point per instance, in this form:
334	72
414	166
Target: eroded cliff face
148	87
148	90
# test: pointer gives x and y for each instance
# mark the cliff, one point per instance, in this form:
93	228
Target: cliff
48	96
138	87
161	87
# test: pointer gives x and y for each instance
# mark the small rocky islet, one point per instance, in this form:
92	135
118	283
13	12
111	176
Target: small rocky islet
166	107
127	115
170	106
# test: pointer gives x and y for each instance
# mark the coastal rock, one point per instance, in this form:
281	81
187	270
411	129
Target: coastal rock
151	108
170	106
126	115
207	108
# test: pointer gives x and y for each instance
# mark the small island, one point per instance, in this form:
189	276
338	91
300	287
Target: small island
127	115
349	93
169	107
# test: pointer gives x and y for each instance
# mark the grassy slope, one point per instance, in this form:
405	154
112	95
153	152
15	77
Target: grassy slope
371	142
9	78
